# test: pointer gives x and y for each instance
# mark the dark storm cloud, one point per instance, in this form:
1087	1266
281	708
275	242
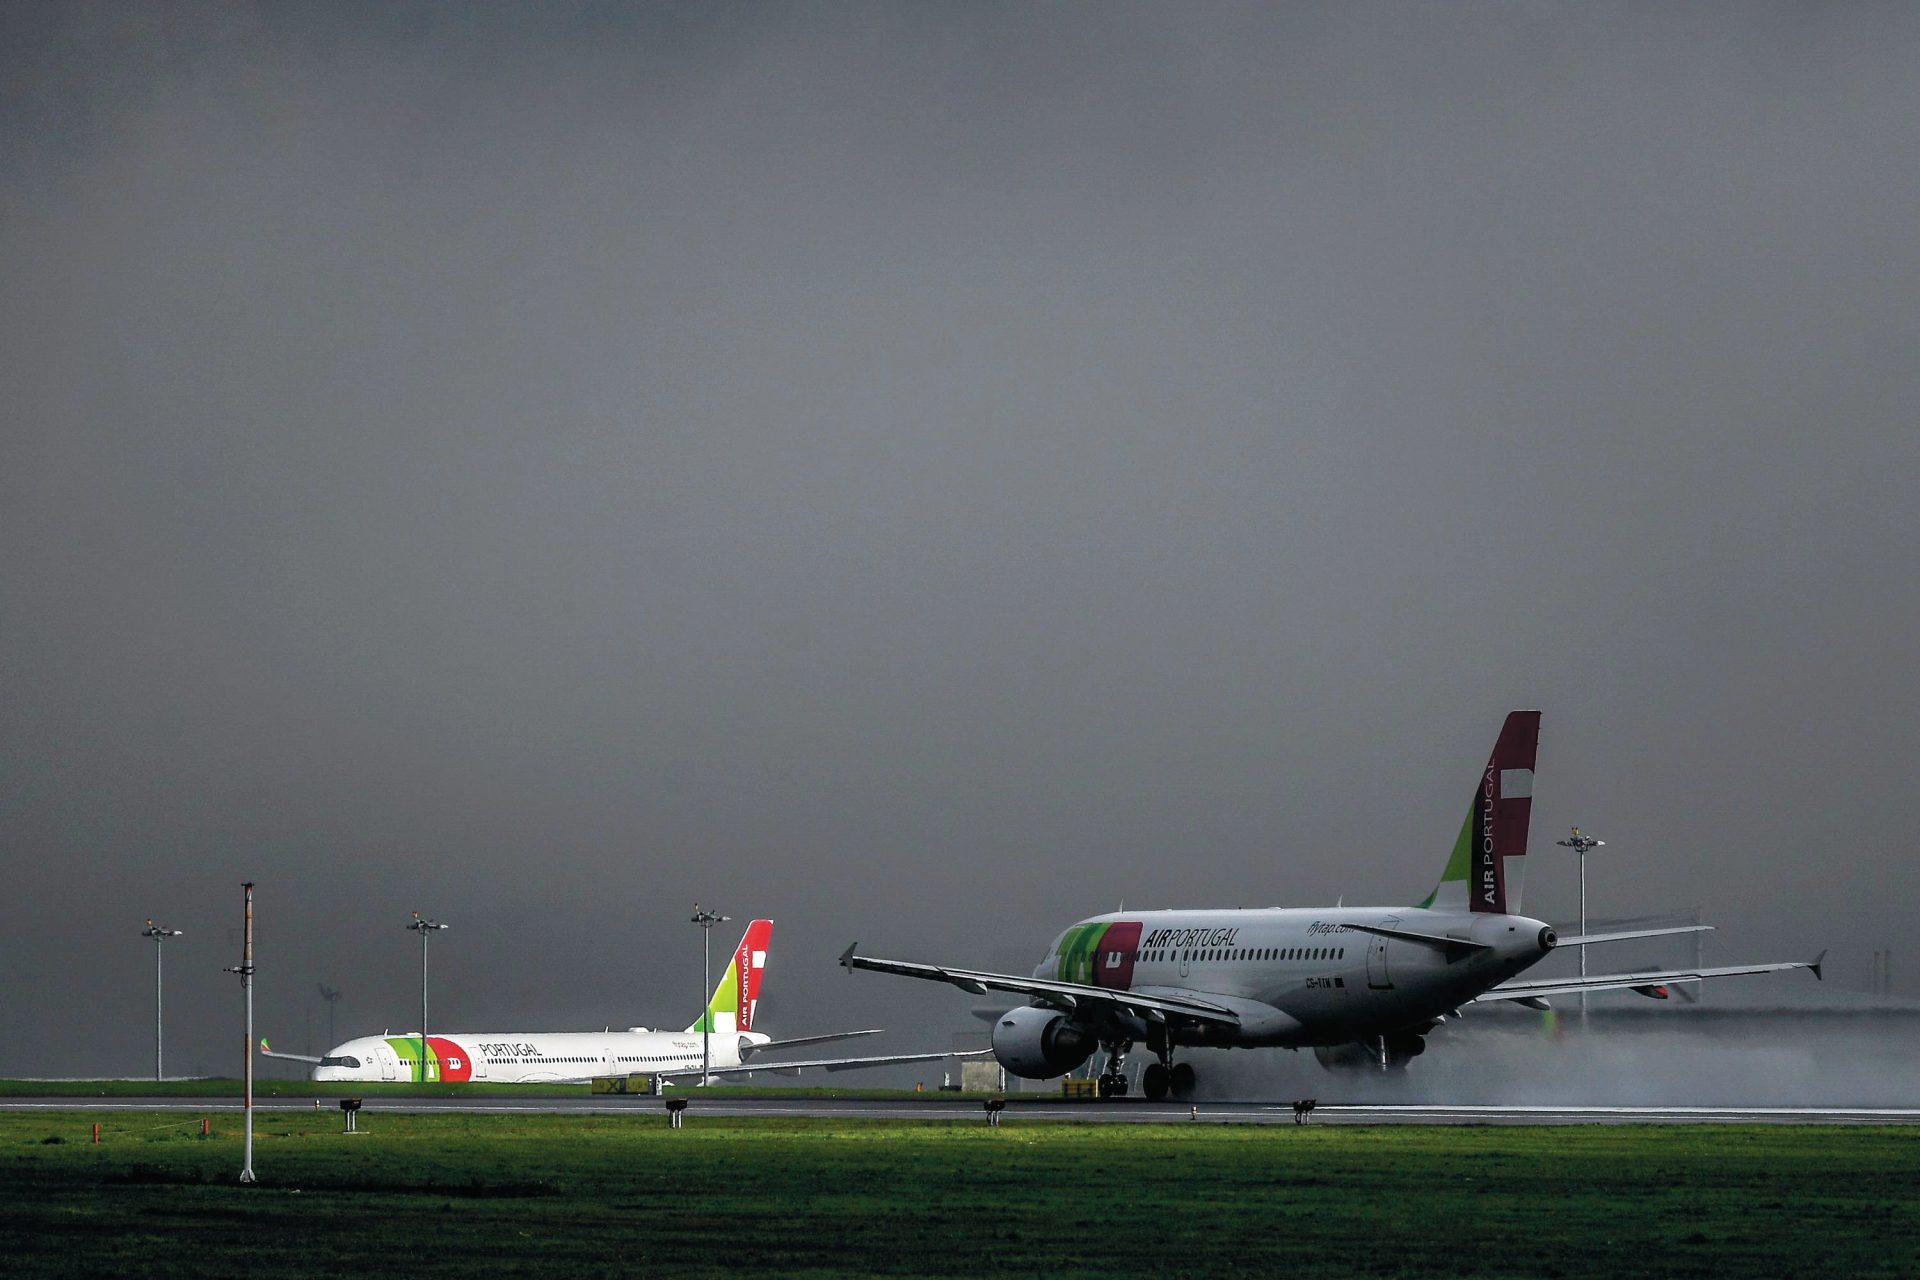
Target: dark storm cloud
925	474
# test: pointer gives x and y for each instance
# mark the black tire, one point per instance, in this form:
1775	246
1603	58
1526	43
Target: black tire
1106	1086
1181	1081
1154	1082
1120	1086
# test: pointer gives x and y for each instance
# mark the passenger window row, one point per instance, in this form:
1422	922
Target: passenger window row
1205	955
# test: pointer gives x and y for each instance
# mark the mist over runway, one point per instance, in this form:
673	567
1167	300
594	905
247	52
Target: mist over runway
1792	1063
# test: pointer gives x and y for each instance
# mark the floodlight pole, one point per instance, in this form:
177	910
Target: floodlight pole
706	920
246	984
1580	844
159	936
332	996
424	928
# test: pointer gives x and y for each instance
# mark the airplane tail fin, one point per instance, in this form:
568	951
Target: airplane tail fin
738	995
1496	826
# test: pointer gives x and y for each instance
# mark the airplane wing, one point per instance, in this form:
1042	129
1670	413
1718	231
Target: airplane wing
828	1064
800	1040
290	1057
1536	988
1067	996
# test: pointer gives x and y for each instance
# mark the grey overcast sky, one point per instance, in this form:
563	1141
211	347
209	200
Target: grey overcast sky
926	473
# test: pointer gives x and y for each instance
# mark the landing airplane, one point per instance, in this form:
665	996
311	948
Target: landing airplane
523	1057
1360	986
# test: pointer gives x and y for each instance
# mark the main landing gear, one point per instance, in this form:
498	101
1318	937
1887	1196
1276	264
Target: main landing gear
1167	1076
1160	1079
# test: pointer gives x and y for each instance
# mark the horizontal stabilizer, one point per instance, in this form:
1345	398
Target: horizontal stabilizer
797	1041
1524	991
827	1064
1586	939
1440	942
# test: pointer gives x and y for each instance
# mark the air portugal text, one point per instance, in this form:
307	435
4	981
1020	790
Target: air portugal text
1190	938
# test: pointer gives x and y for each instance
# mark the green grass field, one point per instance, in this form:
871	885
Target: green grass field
434	1195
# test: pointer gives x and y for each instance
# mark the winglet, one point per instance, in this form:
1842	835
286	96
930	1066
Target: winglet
264	1049
846	957
1817	962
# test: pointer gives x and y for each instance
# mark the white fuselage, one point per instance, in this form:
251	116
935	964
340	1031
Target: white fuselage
1326	981
521	1057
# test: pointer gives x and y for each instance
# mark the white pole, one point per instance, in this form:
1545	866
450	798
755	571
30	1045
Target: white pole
423	927
706	920
706	1015
246	982
159	935
332	996
423	1006
1583	933
1580	844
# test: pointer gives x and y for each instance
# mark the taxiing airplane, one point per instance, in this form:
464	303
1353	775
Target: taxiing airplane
524	1057
1360	986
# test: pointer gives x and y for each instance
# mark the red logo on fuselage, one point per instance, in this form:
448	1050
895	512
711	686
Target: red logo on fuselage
1114	955
454	1063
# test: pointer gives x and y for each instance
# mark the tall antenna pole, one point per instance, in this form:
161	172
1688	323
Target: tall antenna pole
246	984
159	936
1580	844
424	927
706	920
332	996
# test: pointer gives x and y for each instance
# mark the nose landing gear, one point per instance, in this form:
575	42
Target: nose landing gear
1113	1080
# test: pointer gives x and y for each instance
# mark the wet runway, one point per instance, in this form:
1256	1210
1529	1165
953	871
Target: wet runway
1020	1110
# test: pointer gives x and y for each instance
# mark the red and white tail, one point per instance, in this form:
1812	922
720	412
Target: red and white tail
1496	827
749	961
737	997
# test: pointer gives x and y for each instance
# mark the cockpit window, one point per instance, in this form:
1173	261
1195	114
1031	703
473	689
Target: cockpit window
344	1060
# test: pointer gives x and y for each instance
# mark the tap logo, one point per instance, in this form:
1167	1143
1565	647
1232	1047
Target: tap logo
446	1060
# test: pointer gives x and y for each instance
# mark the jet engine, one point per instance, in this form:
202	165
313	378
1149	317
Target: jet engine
1039	1044
1361	1055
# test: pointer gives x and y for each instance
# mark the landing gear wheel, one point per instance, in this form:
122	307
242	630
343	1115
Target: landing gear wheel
1113	1078
1181	1079
1154	1081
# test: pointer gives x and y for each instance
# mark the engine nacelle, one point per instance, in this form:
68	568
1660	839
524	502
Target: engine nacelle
1039	1044
1351	1056
1360	1055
